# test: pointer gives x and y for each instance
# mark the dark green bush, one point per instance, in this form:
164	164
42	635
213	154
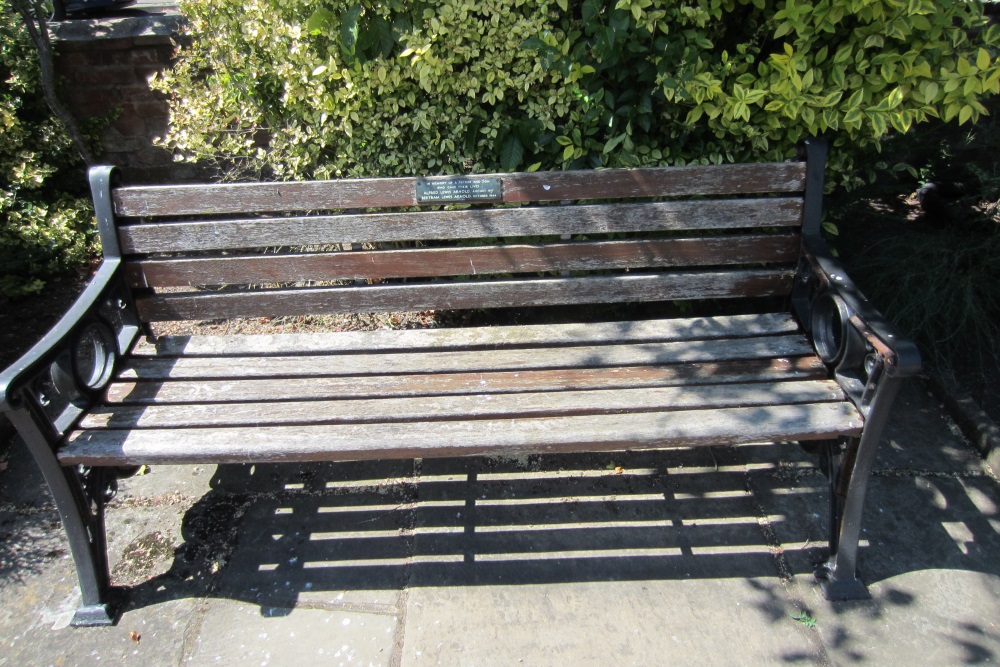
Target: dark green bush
298	88
46	226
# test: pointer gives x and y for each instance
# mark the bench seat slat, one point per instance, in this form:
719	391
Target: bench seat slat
629	288
726	426
633	331
460	224
442	384
465	361
517	187
469	406
427	263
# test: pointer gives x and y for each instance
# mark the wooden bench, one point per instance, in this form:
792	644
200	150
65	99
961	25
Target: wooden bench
781	346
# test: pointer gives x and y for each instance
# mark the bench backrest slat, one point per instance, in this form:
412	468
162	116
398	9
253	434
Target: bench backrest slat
269	249
401	192
461	224
428	263
464	295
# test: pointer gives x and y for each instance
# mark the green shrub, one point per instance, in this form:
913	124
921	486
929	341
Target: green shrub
45	230
296	88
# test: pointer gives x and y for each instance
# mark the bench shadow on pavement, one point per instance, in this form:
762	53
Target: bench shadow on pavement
268	534
279	535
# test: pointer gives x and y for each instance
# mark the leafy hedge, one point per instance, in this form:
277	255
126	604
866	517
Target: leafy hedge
45	230
298	88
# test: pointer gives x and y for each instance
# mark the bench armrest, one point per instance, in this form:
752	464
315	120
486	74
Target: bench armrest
58	378
846	329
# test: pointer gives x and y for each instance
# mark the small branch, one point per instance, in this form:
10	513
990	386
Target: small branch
33	16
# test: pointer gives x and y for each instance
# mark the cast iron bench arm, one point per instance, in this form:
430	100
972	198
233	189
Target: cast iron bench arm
54	353
848	332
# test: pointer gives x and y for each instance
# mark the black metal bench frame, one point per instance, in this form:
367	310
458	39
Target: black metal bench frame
53	389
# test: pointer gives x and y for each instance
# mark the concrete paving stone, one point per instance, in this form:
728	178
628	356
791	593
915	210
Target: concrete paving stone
234	633
190	481
159	638
37	604
280	478
924	617
29	543
767	455
583	522
704	622
936	523
928	556
335	549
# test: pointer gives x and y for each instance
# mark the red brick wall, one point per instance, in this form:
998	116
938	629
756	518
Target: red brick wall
104	68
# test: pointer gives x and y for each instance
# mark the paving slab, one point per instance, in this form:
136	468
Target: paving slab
336	552
928	556
704	622
922	617
233	633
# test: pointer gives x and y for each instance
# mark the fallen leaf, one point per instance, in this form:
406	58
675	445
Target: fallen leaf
135	636
619	470
3	466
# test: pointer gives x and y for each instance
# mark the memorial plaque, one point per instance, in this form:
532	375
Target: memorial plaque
459	190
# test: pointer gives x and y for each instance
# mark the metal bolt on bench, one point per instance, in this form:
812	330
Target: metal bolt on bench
94	399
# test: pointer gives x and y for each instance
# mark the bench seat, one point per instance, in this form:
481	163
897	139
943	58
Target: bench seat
471	391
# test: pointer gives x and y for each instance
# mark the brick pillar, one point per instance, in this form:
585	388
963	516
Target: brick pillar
104	67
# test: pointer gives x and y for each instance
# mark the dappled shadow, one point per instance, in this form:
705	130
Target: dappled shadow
928	549
301	532
30	539
31	535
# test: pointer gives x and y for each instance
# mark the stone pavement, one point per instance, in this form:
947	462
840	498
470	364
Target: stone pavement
644	558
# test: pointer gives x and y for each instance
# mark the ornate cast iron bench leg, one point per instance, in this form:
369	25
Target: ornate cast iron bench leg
80	496
848	486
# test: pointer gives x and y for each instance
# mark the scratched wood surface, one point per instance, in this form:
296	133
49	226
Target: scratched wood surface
468	338
628	288
494	259
519	187
315	388
349	410
324	442
673	216
464	361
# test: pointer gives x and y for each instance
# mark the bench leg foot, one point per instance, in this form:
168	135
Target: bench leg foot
90	616
840	589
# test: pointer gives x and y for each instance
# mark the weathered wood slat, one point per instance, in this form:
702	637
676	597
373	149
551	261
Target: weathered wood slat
432	262
346	442
473	294
633	331
465	361
443	384
461	224
519	187
464	407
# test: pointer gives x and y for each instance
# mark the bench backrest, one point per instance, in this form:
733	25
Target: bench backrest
505	240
